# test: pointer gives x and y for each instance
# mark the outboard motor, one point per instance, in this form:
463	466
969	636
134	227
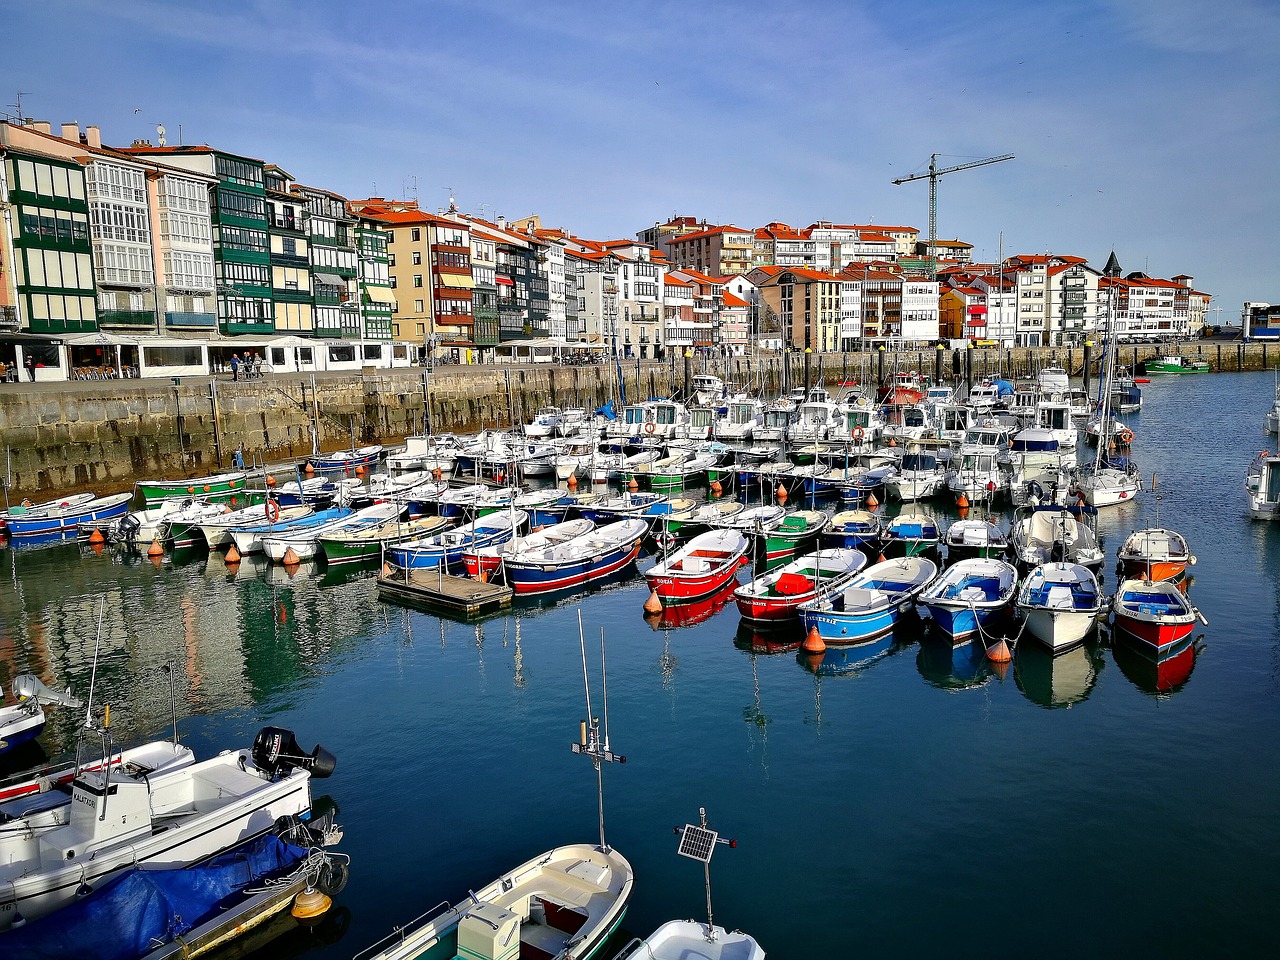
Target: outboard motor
276	750
128	527
28	687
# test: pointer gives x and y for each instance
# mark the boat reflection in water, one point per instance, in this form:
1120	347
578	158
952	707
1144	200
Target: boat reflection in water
687	614
1058	681
783	637
1166	675
951	666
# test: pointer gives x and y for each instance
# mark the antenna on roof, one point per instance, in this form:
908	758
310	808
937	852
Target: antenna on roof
453	203
18	106
160	132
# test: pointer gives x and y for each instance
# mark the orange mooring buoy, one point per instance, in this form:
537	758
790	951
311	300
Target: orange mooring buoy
716	487
233	555
291	558
892	442
572	482
359	471
813	643
633	486
271	481
284	614
962	502
155	550
963	512
437	473
386	570
999	652
96	536
872	502
782	493
653	604
308	469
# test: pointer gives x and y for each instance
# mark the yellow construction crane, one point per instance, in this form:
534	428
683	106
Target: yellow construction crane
933	175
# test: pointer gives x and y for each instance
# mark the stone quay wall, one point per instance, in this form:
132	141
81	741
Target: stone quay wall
106	435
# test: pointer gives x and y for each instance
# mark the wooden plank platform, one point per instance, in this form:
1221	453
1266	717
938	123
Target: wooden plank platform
440	591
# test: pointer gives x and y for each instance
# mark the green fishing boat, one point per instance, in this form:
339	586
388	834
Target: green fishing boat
221	486
367	545
1176	364
795	534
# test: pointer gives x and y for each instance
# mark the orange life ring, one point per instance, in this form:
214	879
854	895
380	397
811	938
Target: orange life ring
272	510
649	427
857	433
1126	436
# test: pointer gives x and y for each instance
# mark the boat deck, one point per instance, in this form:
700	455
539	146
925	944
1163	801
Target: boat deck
439	591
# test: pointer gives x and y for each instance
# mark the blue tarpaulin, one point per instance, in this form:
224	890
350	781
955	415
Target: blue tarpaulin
607	411
1003	388
138	910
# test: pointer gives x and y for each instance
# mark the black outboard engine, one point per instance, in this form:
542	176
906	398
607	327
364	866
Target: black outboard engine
276	750
128	526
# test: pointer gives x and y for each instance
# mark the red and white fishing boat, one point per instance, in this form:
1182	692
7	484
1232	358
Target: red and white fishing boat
1154	554
700	568
1155	615
776	594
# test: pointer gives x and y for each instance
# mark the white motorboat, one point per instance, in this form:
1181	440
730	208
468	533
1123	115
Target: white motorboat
1107	486
119	820
1054	416
1054	381
1262	486
976	474
919	476
146	526
1272	420
707	389
217	530
426	452
25	794
1060	603
740	420
545	423
689	939
813	421
1055	534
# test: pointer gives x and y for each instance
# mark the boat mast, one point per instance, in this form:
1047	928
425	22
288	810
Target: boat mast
698	842
591	742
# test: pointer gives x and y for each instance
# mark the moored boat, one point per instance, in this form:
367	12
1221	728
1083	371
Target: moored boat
216	486
973	537
304	540
1173	363
700	568
1154	554
869	605
363	457
1262	486
248	539
216	531
489	559
969	595
118	820
1156	616
795	533
776	594
590	556
446	549
69	517
859	529
1059	602
22	721
346	546
910	534
30	510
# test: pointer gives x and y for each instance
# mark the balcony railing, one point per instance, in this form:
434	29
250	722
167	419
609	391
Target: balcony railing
127	317
9	318
177	319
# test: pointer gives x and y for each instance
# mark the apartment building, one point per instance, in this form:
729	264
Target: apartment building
718	251
806	302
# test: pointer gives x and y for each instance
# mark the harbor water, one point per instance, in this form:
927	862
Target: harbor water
915	802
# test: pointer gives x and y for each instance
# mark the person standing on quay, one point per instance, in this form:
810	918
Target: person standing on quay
31	367
235	366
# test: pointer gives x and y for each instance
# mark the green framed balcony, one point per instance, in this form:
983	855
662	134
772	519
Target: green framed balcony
132	318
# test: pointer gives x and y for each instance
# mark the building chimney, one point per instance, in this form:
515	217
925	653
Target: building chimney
71	131
93	136
42	126
502	222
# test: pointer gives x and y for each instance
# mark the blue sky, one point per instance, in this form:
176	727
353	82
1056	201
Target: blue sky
1147	126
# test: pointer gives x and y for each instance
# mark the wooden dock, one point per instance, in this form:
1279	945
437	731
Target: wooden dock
435	590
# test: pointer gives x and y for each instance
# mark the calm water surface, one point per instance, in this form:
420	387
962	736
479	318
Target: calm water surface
916	803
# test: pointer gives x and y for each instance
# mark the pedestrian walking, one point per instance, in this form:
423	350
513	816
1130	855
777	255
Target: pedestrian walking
235	366
31	367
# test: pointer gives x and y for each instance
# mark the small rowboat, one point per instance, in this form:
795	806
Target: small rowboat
588	557
969	595
303	541
446	549
700	568
31	510
777	594
1154	616
1060	602
1154	554
489	559
219	485
69	517
217	530
869	605
346	546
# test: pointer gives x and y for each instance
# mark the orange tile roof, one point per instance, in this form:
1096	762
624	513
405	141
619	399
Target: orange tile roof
674	282
729	300
709	232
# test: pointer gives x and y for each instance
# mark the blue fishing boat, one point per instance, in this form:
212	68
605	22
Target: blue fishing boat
446	549
589	557
347	460
969	595
859	529
68	519
909	534
544	506
871	603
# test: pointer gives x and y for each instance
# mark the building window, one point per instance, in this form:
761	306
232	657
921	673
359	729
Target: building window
417	306
415	234
417	279
391	259
393	283
417	258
